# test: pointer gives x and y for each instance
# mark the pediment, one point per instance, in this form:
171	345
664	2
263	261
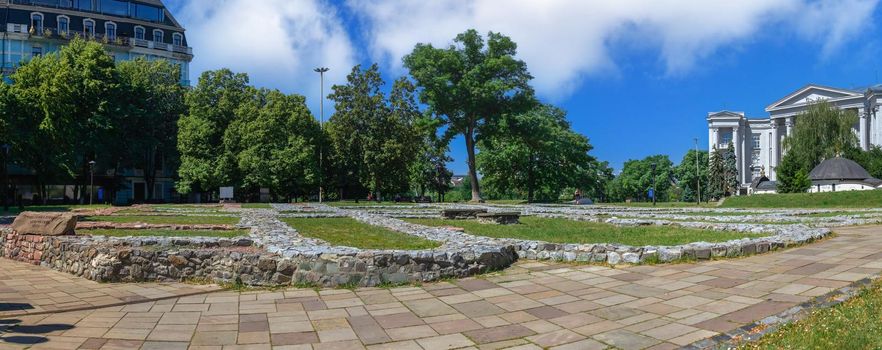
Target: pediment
812	93
725	114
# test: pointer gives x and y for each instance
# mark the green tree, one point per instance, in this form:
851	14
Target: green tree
871	160
716	176
64	100
429	171
730	171
153	102
275	142
636	179
205	163
470	86
692	171
373	136
821	132
535	153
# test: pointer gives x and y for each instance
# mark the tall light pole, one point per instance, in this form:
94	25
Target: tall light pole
321	71
91	180
697	172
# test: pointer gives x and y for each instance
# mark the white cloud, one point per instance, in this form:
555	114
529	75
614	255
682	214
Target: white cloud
277	42
562	41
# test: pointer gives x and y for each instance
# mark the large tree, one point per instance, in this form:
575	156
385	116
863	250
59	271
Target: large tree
822	131
429	172
716	175
153	102
205	162
64	99
535	153
636	179
692	171
372	135
275	144
730	171
471	85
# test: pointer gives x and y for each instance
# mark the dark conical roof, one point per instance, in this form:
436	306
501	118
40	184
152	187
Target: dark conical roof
838	169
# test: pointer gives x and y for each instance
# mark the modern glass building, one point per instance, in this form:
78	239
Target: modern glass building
128	29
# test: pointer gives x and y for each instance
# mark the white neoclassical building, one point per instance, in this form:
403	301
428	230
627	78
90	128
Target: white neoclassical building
757	141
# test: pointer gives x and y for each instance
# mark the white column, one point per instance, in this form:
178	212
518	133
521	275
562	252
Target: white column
711	133
773	152
789	123
863	128
737	143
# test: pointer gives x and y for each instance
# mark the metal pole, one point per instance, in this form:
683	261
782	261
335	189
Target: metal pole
654	195
697	172
321	71
91	181
5	149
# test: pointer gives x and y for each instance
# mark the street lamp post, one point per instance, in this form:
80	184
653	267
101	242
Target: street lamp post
5	194
697	173
321	71
653	185
91	180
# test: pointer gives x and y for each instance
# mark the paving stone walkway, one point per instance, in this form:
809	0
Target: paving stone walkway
532	305
29	289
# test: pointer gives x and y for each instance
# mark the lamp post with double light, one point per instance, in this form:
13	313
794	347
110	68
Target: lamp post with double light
321	71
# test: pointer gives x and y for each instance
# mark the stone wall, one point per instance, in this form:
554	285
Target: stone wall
235	260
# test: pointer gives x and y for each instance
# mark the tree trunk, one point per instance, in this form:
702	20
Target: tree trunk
473	172
530	185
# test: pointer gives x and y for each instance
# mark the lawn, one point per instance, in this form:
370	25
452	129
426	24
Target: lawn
365	203
165	233
663	204
256	205
569	231
850	199
166	219
13	210
352	233
854	324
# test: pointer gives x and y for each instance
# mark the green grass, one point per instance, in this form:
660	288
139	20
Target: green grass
569	231
366	203
850	199
165	233
854	324
164	219
13	210
256	205
663	204
349	232
838	213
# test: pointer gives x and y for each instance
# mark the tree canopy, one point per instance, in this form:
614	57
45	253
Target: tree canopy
471	85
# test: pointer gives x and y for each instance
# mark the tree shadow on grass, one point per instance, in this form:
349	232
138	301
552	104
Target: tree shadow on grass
11	331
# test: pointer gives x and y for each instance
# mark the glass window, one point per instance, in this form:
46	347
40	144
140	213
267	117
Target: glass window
89	27
756	141
37	23
63	25
139	33
36	51
85	5
727	137
110	30
158	35
114	7
178	39
66	3
147	12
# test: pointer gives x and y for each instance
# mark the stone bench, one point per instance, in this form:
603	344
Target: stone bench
506	218
460	214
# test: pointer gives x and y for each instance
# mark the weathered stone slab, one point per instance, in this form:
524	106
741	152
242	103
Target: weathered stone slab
508	218
459	214
46	224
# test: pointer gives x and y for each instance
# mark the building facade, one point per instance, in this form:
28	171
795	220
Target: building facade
758	141
129	29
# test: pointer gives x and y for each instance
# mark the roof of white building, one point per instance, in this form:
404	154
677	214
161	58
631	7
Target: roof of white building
839	168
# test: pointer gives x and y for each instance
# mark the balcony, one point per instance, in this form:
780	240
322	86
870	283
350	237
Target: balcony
118	41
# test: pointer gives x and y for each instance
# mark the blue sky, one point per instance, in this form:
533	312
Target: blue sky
637	77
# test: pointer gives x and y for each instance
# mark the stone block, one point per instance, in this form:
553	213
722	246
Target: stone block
47	224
